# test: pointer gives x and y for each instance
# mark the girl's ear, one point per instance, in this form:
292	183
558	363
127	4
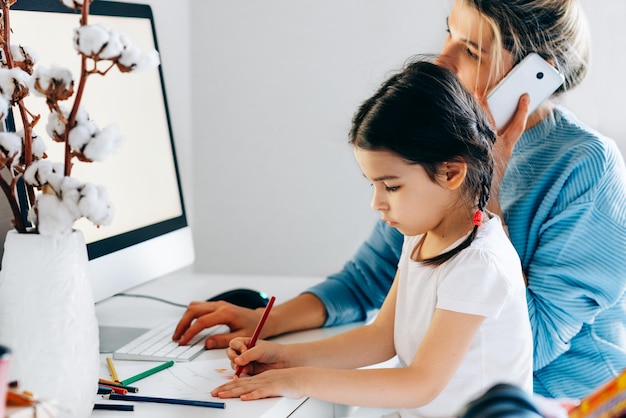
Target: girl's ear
454	174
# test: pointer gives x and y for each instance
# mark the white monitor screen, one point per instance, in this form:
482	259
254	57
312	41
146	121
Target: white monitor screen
142	176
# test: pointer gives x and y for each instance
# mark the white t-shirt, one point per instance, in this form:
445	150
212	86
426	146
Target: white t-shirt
484	279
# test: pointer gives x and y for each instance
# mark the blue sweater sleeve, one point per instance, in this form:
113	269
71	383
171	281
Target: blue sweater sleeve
579	267
365	279
565	200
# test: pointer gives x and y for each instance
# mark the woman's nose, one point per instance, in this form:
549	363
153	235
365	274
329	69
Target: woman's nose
448	56
446	60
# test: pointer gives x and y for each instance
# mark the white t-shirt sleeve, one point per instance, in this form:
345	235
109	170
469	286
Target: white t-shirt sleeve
474	284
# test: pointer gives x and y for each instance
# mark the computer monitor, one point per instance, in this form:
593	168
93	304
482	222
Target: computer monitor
149	236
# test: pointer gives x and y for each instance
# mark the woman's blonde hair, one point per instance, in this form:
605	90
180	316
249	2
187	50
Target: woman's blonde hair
555	29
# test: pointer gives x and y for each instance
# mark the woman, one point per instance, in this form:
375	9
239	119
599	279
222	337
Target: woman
562	194
562	197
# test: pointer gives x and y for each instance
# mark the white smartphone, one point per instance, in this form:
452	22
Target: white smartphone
532	75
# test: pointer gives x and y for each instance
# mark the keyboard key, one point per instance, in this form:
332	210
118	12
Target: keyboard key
157	345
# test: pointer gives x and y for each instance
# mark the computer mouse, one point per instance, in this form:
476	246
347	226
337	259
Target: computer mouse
247	298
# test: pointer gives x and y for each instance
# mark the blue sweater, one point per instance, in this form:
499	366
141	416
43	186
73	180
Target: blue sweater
563	198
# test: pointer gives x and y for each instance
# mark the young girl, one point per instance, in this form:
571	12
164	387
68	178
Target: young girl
456	314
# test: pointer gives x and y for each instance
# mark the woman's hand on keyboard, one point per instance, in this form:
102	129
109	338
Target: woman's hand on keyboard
202	315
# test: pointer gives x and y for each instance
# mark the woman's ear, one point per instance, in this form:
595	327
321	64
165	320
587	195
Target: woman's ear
454	173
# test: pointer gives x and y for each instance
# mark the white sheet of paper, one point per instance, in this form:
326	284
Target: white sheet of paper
195	380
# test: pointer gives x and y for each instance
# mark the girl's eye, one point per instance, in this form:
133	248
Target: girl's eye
392	188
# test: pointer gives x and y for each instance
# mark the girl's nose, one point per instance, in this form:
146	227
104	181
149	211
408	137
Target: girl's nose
378	203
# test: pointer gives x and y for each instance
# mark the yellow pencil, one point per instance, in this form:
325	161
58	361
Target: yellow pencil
112	369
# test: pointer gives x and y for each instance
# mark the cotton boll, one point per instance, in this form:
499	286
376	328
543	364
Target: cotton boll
113	48
81	115
89	40
103	143
23	53
95	204
73	4
70	192
55	179
38	146
55	128
81	134
125	40
55	82
10	145
42	172
51	216
4	107
24	57
14	84
135	60
38	172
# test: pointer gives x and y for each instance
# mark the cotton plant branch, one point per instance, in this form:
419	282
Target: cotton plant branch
62	199
13	153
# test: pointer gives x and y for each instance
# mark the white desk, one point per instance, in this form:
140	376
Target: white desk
183	288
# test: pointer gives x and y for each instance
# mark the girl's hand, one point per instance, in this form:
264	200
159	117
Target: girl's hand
263	356
272	383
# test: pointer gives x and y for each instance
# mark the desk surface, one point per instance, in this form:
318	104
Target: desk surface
183	288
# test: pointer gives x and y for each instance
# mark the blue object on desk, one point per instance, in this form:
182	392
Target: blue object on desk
114	407
136	398
502	401
103	390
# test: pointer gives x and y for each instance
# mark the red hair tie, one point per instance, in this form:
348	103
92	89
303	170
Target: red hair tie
478	218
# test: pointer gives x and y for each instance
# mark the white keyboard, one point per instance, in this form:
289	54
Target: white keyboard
156	345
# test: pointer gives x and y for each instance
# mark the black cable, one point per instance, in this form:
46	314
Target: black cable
151	297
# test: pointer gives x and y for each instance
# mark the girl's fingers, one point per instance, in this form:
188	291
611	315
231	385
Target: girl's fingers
245	388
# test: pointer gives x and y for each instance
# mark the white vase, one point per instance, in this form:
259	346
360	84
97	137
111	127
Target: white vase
48	319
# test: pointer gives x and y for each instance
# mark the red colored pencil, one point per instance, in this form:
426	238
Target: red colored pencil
115	389
257	331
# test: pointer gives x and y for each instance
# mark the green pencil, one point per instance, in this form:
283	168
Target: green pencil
147	373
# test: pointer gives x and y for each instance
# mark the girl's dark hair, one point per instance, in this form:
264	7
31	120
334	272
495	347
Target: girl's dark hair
425	116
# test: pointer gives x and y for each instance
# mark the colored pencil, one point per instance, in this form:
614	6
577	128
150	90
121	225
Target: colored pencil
112	384
258	329
115	389
104	390
114	407
172	401
112	369
147	373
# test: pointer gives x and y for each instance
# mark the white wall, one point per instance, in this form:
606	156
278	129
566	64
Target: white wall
274	85
601	100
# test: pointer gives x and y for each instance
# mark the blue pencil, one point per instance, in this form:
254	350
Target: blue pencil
114	407
103	390
137	398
